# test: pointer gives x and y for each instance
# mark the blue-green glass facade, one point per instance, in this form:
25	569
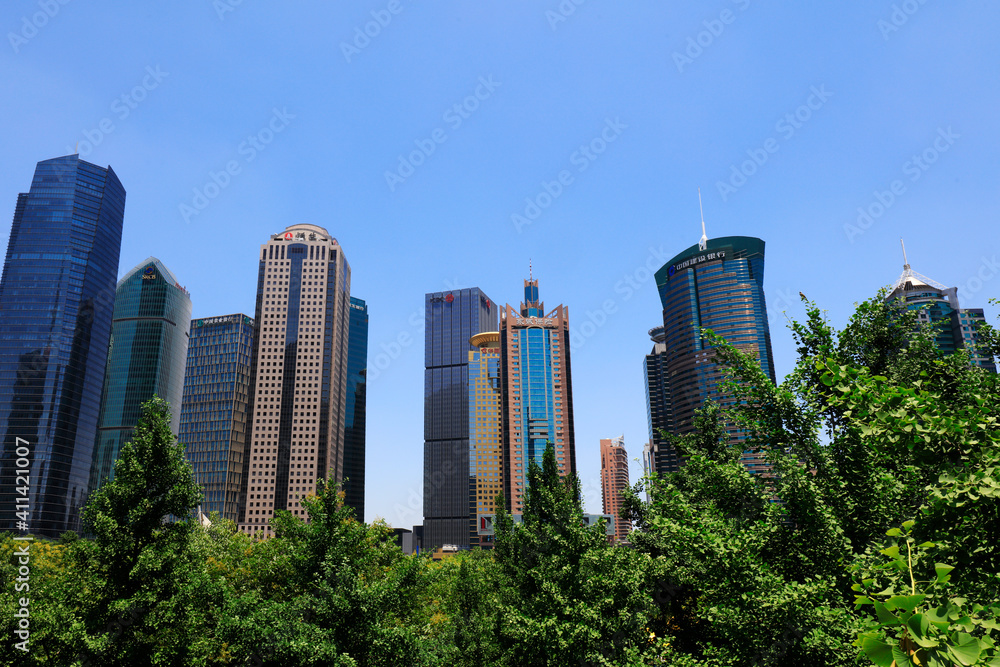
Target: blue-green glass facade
955	327
56	300
720	287
354	410
146	358
215	411
537	391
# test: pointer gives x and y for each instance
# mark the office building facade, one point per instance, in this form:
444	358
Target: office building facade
939	307
56	300
614	480
147	357
658	455
719	285
451	320
485	434
537	400
354	411
302	322
215	411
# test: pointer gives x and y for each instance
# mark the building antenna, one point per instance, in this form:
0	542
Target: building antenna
703	243
530	274
906	264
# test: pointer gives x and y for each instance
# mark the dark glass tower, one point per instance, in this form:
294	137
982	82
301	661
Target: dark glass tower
718	286
658	455
148	353
452	318
56	300
215	411
354	411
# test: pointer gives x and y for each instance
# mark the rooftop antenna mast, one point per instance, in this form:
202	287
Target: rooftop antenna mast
906	264
703	243
530	274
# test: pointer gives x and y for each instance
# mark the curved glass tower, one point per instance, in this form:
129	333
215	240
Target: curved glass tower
56	300
147	357
718	285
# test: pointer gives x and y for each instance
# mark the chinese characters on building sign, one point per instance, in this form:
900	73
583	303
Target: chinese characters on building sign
534	322
697	259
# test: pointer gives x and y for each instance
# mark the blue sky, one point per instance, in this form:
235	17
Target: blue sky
228	121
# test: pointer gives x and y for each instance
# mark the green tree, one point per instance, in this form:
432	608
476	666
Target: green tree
567	596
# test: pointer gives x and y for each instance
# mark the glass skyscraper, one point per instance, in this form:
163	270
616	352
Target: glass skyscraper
658	455
148	353
354	410
452	319
299	372
56	300
718	286
215	410
939	306
485	433
537	391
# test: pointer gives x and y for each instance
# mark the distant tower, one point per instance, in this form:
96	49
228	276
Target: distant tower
537	391
452	319
957	326
148	354
614	480
485	432
717	284
56	301
658	455
355	409
215	412
300	372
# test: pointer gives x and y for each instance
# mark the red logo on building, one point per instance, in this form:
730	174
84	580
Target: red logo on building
449	297
288	236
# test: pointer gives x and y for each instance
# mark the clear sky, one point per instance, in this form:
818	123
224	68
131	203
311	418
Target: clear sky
227	121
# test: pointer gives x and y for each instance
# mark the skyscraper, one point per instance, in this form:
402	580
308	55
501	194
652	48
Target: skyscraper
300	372
56	300
215	412
537	391
452	318
148	353
658	455
717	284
956	326
485	432
614	480
354	411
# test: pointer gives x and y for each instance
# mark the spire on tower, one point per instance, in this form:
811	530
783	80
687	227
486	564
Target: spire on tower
703	243
906	264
